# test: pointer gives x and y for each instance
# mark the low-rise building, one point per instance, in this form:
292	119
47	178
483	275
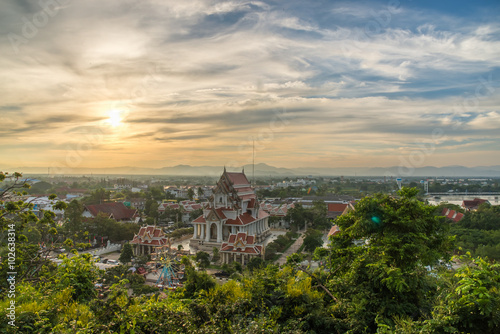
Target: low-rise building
148	239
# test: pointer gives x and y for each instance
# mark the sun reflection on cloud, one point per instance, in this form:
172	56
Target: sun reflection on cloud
115	117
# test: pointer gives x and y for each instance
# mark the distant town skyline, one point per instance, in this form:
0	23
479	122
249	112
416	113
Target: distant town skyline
324	84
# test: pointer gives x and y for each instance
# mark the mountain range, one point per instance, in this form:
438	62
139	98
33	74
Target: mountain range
263	169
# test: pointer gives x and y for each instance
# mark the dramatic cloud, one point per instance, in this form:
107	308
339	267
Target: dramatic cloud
330	84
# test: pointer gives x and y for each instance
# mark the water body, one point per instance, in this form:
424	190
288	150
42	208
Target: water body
454	199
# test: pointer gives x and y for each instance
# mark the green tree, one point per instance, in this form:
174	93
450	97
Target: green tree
98	196
190	193
74	219
215	254
195	214
80	273
153	210
312	240
203	259
196	282
126	254
471	302
318	212
255	263
16	217
380	258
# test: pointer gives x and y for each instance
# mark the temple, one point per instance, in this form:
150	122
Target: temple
149	238
232	221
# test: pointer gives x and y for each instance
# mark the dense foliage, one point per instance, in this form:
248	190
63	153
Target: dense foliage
479	232
386	271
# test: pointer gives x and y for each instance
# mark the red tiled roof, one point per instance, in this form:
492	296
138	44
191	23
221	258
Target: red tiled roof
337	207
248	241
151	230
263	214
118	210
241	235
220	213
473	204
237	178
452	214
200	219
150	235
334	230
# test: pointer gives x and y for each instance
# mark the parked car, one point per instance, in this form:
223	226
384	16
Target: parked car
104	260
113	262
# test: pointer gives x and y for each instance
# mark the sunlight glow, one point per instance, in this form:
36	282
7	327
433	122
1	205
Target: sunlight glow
115	117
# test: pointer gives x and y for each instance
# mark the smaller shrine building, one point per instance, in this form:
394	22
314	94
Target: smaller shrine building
149	238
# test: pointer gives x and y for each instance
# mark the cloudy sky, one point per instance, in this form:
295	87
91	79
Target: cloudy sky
156	83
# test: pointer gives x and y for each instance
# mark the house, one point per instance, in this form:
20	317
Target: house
333	231
279	210
147	239
240	246
335	210
43	203
232	220
452	215
117	211
471	205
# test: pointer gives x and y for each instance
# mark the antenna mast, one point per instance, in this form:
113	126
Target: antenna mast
253	162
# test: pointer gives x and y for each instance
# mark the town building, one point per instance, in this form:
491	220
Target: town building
452	215
148	239
232	221
116	211
279	210
472	205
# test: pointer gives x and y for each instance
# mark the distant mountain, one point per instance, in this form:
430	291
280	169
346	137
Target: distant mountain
263	169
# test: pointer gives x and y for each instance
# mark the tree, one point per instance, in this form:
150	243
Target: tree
98	196
195	214
190	193
297	216
255	263
200	192
380	258
471	303
79	273
215	255
197	281
203	259
74	219
16	216
318	212
313	239
126	254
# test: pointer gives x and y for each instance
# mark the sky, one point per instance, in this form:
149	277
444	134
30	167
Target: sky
157	83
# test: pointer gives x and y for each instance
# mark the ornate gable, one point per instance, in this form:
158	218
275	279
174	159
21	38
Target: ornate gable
212	216
239	244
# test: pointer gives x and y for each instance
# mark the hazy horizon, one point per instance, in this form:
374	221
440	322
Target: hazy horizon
344	84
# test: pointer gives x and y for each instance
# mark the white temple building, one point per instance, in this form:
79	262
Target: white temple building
232	221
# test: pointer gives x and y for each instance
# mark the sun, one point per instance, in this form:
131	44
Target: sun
115	117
